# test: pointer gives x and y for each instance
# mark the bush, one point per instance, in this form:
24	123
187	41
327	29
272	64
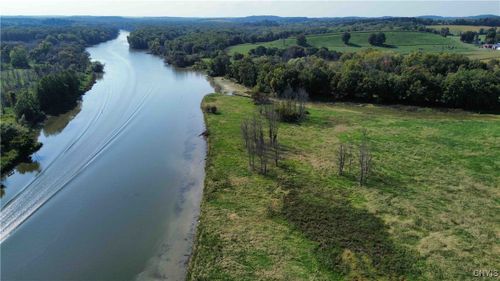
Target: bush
260	98
58	92
468	37
97	67
377	39
18	143
19	57
472	89
27	108
291	108
212	109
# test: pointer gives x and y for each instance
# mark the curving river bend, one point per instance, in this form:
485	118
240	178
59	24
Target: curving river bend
116	187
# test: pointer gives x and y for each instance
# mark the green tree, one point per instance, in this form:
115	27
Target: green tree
473	89
491	36
219	66
245	72
27	107
377	39
445	31
302	40
59	92
19	57
97	67
346	36
381	38
237	56
18	142
468	36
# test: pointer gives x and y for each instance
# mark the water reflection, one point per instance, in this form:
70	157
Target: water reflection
55	124
24	168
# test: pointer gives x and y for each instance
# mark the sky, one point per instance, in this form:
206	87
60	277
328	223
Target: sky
238	8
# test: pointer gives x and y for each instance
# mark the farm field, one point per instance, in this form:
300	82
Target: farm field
427	210
456	29
397	41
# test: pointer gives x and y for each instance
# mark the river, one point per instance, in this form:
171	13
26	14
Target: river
115	190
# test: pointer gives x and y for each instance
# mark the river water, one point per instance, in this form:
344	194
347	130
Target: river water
115	189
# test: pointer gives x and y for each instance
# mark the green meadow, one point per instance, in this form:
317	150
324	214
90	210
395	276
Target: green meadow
396	41
429	210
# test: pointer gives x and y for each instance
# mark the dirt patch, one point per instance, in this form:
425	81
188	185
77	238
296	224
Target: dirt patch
229	87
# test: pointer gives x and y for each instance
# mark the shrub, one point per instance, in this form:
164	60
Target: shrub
210	108
377	39
291	108
260	98
97	67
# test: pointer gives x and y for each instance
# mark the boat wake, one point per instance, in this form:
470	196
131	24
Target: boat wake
96	137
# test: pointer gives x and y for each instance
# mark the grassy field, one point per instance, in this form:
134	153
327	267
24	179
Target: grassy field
397	41
428	212
456	29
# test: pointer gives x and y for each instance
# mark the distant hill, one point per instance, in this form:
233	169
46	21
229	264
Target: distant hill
434	17
267	20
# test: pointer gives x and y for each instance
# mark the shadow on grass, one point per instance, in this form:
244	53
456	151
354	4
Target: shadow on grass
337	226
353	45
389	46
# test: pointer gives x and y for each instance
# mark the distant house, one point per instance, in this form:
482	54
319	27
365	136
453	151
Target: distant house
496	46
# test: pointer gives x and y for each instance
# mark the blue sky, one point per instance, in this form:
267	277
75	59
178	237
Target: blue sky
238	8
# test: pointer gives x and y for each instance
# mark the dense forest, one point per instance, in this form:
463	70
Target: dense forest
45	70
419	78
447	80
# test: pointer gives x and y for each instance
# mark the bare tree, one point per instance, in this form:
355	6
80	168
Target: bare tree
302	96
252	131
365	159
344	158
341	158
292	106
247	135
272	117
261	148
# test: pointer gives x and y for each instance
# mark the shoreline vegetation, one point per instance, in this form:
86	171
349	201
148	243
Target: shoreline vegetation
302	219
24	154
45	72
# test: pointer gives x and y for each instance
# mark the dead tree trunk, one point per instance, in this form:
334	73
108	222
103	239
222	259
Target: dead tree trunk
365	159
272	117
341	158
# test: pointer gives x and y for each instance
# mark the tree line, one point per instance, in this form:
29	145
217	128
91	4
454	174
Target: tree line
45	70
423	79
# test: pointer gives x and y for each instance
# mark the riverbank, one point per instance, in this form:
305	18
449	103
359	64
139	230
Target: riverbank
29	134
430	194
227	86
